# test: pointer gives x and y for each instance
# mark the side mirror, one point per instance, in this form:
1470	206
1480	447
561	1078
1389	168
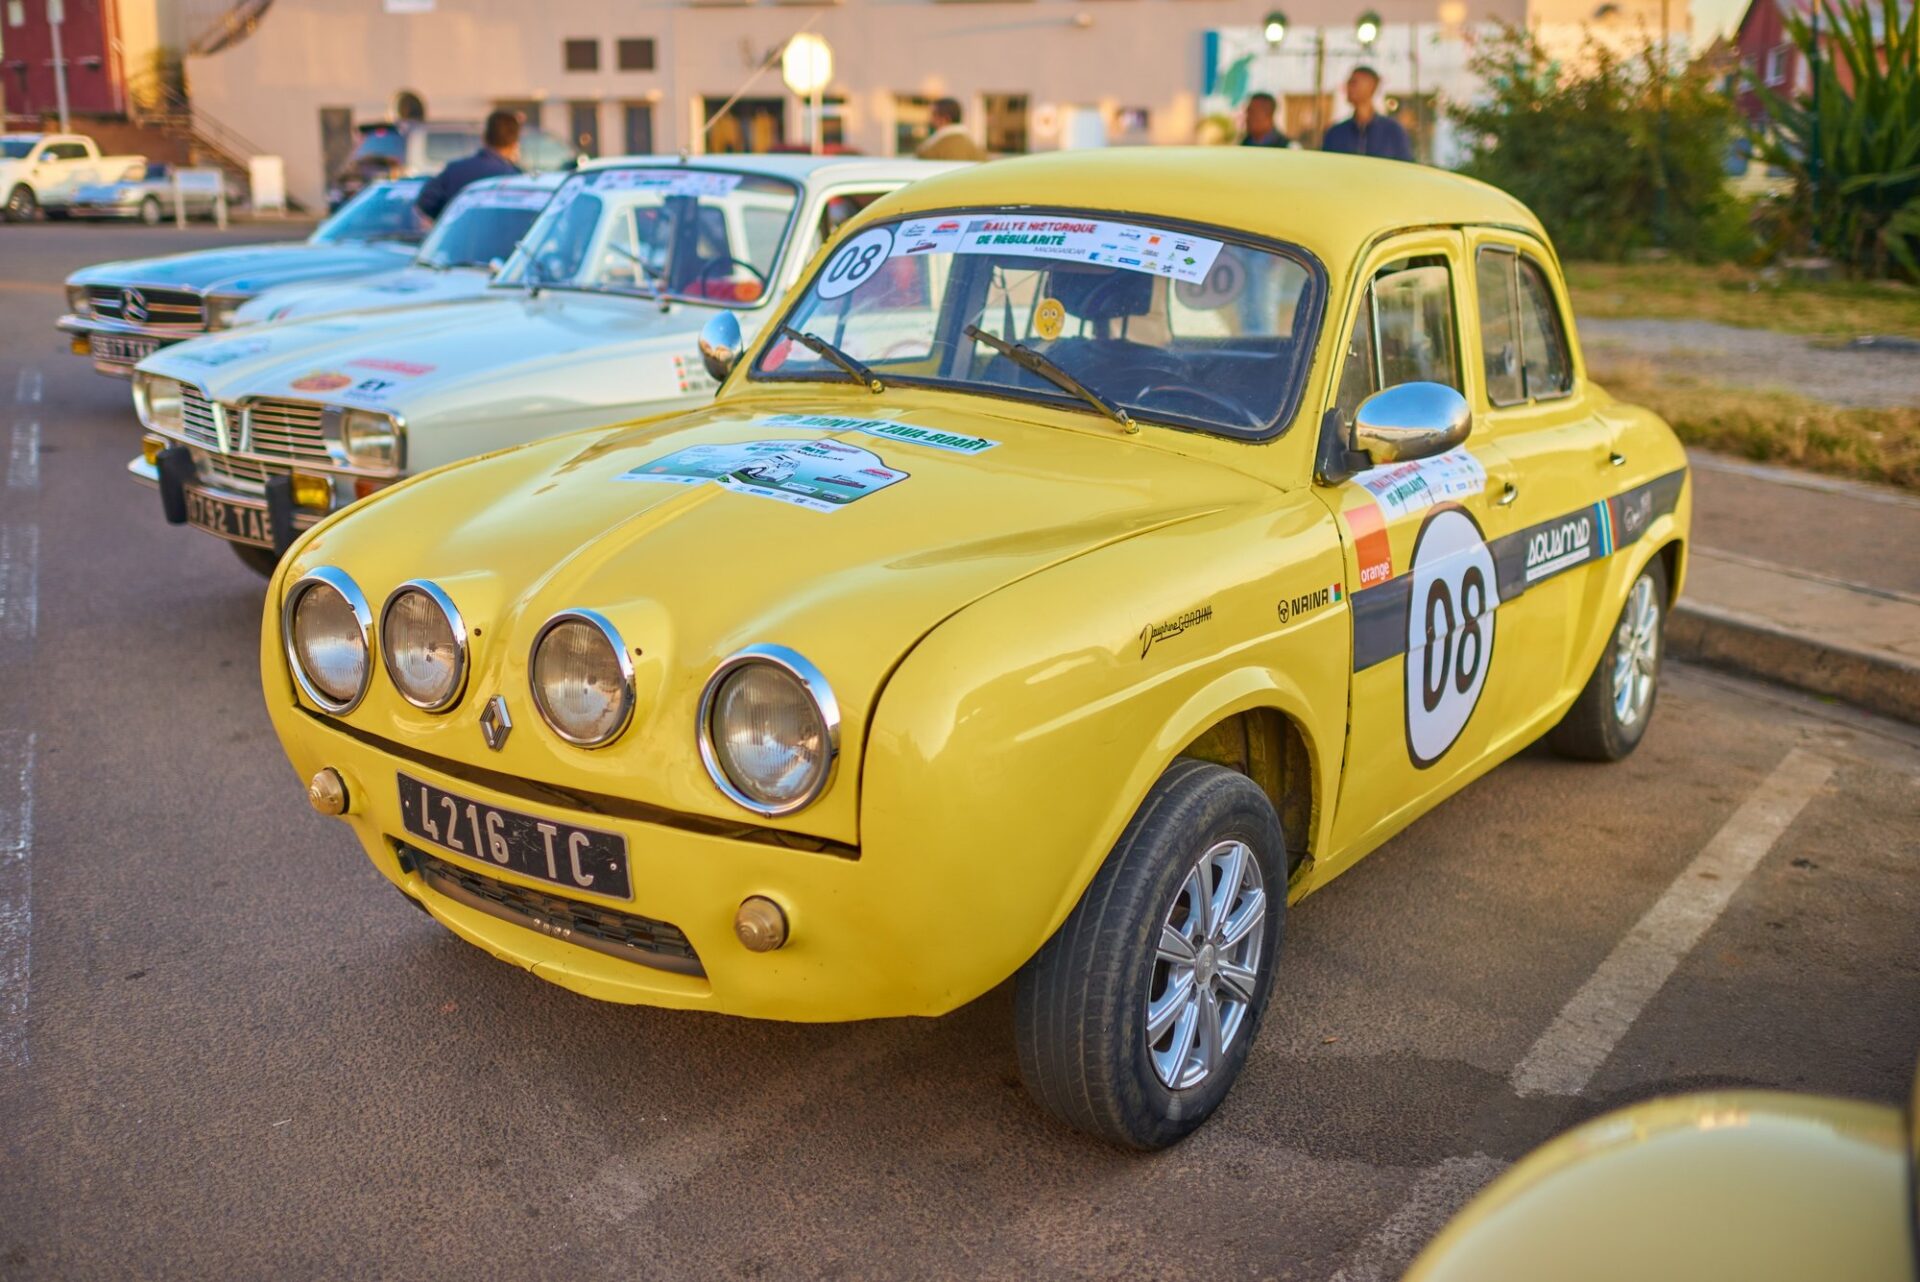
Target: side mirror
720	345
1411	421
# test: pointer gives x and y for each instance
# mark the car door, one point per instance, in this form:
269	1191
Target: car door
1441	673
1530	406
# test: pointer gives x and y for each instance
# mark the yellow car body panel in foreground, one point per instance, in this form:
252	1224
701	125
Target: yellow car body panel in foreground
1746	1186
1030	617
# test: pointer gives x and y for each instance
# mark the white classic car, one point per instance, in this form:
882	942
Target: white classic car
473	237
120	312
256	435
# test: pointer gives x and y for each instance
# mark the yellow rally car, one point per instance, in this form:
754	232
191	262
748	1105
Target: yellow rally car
1103	551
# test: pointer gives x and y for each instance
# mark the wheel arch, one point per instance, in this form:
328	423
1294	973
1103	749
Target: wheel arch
1270	747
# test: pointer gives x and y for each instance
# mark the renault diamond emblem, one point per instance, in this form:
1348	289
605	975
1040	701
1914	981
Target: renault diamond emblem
495	724
133	305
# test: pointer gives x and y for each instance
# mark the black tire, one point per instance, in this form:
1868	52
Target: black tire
150	211
260	560
21	205
55	215
1594	728
1080	1005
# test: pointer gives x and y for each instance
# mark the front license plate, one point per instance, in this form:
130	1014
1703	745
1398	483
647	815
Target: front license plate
235	522
127	351
576	858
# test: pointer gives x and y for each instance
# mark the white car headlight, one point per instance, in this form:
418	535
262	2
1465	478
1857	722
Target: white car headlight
79	301
220	312
582	678
769	730
371	439
424	644
158	401
327	628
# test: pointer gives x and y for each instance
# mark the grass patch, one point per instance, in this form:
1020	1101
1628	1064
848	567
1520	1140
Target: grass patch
1777	427
1742	296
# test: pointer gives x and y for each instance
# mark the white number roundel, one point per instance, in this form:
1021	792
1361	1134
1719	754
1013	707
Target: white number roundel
854	263
1449	631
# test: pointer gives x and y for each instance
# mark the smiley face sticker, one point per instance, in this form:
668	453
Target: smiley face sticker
1049	318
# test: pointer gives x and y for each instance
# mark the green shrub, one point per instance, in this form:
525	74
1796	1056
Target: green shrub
1615	154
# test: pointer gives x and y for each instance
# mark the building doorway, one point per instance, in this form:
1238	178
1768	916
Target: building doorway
336	140
753	124
1006	123
583	124
637	133
912	122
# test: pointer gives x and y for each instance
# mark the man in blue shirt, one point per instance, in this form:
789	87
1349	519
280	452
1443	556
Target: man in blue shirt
1366	132
498	155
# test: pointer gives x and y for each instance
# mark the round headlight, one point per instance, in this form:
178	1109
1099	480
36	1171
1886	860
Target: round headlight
582	678
327	625
424	644
769	730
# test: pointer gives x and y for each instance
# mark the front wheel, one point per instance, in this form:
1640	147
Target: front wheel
1610	717
21	205
150	212
1133	1021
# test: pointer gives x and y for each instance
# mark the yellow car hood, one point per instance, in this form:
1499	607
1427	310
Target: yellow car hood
844	538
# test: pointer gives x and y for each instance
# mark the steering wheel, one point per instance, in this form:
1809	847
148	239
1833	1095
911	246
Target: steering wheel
700	280
1227	410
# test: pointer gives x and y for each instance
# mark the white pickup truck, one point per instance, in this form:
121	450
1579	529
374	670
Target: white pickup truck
42	171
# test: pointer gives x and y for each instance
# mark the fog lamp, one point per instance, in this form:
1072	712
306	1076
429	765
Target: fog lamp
327	792
760	924
150	447
311	491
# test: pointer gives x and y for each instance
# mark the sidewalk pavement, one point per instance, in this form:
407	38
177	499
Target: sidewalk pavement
1805	580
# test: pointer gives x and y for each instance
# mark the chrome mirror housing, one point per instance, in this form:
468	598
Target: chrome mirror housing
720	345
1411	421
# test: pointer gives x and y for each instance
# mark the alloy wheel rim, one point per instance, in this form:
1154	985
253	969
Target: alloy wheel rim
1636	654
1206	965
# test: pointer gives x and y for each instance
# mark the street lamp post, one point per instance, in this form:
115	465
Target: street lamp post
56	18
807	67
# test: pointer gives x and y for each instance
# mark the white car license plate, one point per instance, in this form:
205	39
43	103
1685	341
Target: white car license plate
234	522
120	349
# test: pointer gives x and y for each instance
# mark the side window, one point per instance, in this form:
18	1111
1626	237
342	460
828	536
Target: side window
834	215
71	151
1405	333
1499	329
1546	365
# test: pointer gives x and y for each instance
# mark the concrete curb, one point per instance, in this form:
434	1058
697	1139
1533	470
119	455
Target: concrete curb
1881	683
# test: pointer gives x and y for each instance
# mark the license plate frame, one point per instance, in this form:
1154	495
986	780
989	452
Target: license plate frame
578	860
224	518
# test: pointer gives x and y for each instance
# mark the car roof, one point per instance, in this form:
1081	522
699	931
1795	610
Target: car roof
797	168
1333	205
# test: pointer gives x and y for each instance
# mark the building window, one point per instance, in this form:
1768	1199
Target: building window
1777	65
1006	122
912	122
635	53
580	55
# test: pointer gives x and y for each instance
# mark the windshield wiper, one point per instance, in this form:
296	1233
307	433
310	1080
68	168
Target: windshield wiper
653	278
821	347
1028	359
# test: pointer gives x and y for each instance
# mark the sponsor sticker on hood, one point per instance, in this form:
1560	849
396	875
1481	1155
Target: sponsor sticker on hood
885	428
325	380
215	355
821	476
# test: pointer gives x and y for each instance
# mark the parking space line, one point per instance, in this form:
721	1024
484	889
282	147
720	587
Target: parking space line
1437	1193
28	387
16	893
19	586
1592	1023
23	457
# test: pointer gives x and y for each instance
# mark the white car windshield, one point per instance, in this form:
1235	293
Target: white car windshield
383	211
16	148
482	226
1192	326
702	235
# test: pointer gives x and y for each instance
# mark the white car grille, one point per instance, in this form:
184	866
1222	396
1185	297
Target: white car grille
285	429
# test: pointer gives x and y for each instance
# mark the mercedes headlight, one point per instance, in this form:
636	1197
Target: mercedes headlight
158	402
582	678
769	730
424	645
327	625
220	312
371	440
79	301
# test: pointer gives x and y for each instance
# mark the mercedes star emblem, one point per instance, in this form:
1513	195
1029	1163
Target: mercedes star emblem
133	305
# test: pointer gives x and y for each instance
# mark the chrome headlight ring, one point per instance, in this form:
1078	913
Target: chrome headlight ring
455	624
814	682
622	659
341	582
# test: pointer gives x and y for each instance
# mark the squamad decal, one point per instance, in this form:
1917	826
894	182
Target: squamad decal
821	476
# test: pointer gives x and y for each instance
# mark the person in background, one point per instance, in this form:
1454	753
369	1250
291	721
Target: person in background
1261	129
499	154
948	141
1366	132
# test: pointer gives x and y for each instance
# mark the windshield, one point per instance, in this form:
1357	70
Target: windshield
16	148
450	144
1179	326
381	212
703	235
481	225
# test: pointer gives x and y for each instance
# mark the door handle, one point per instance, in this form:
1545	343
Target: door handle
1617	459
1508	495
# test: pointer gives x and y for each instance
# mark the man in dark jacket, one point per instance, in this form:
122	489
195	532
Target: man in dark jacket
1366	132
498	155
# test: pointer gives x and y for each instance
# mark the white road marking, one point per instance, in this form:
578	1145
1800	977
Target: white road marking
27	388
1592	1023
16	892
19	585
23	457
1439	1191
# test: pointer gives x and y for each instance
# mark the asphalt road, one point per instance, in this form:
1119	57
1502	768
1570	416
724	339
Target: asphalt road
228	1049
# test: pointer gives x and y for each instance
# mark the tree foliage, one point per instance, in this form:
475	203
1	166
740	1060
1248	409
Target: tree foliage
1614	153
1852	142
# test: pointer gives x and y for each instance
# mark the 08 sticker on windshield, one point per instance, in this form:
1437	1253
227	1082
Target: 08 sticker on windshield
855	262
821	476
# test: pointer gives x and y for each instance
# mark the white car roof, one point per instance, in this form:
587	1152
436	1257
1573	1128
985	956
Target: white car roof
798	168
